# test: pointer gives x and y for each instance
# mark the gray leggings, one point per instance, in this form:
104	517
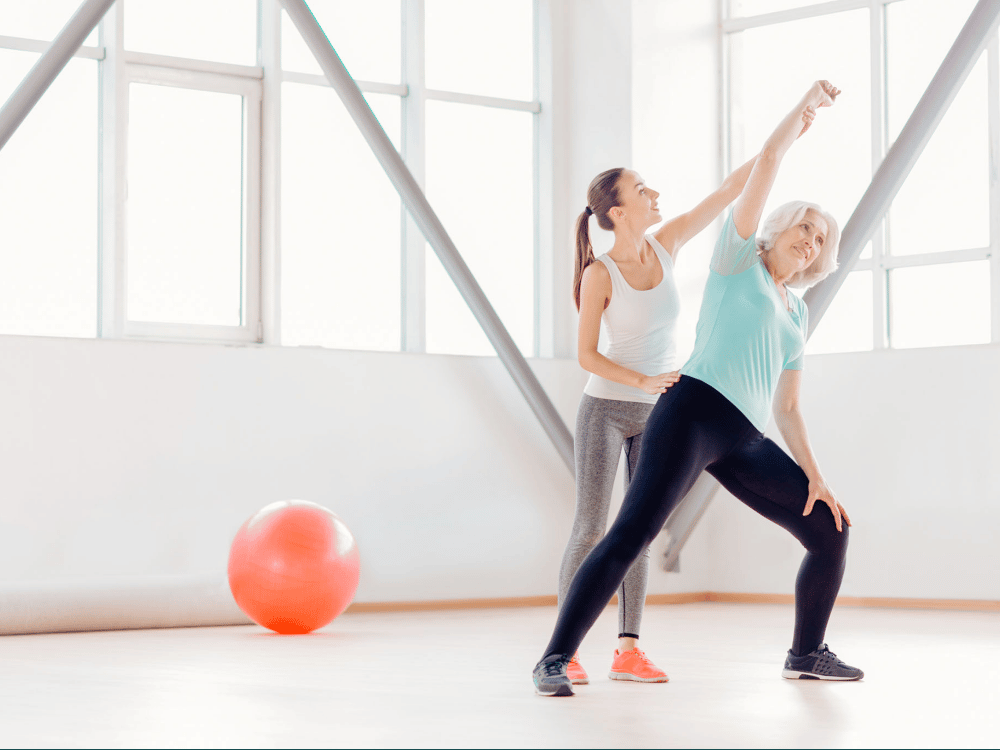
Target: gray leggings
603	428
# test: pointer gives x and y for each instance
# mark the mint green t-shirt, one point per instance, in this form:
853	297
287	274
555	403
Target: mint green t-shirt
746	336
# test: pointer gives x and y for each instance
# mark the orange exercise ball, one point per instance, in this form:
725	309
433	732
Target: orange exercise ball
293	566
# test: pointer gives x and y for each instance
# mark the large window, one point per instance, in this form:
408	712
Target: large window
929	276
192	175
355	272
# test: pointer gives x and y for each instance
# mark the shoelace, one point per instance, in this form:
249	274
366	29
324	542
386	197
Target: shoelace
553	668
642	657
825	651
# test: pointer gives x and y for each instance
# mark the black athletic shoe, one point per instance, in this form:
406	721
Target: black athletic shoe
550	676
821	664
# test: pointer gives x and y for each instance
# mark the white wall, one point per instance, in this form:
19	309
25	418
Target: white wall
139	458
124	458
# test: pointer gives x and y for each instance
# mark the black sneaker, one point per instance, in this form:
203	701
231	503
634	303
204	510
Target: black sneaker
821	664
550	676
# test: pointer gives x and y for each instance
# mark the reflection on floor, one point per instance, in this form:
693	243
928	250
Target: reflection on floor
462	678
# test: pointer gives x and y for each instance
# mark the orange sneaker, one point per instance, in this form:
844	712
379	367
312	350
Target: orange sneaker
576	673
636	666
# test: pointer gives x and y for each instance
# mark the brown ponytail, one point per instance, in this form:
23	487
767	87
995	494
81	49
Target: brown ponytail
602	196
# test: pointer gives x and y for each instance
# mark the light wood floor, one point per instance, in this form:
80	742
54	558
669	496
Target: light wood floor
462	678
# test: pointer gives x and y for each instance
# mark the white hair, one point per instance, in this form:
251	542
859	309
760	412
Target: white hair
788	215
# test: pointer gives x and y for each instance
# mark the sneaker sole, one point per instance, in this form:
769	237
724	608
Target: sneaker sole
791	674
562	691
581	681
629	677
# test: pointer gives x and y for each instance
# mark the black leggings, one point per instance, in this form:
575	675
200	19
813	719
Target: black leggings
692	428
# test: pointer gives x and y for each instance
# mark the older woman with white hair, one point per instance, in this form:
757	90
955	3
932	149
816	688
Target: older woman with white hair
747	360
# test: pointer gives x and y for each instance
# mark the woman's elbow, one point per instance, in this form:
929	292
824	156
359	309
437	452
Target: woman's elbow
785	412
770	154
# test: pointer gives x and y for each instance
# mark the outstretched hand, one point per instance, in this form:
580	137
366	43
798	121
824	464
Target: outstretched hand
822	94
828	93
818	490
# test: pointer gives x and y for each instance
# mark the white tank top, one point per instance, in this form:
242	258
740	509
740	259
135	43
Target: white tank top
639	327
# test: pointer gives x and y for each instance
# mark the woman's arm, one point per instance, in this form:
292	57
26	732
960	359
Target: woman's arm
595	294
750	203
676	233
792	427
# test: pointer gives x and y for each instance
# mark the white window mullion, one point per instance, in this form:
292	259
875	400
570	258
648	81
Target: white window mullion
367	87
197	66
725	42
252	175
538	262
113	114
413	268
964	255
541	164
800	13
37	45
879	130
220	83
554	330
993	64
270	225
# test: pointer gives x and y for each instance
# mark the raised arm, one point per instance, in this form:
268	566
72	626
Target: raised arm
750	203
676	233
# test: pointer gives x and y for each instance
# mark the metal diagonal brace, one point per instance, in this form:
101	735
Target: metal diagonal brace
418	206
888	179
49	65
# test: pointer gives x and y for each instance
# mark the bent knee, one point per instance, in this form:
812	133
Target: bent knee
831	541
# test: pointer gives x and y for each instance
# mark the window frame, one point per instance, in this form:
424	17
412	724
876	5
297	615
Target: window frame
881	262
148	70
119	69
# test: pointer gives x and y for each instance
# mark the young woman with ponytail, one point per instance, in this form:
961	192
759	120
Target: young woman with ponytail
631	290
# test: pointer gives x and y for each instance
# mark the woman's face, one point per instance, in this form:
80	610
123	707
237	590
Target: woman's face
798	246
638	206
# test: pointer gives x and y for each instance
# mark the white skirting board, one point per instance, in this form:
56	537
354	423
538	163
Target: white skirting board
68	605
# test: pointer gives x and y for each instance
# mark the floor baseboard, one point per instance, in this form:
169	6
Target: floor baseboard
972	605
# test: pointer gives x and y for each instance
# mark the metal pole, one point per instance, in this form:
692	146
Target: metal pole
416	203
889	177
896	166
49	65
